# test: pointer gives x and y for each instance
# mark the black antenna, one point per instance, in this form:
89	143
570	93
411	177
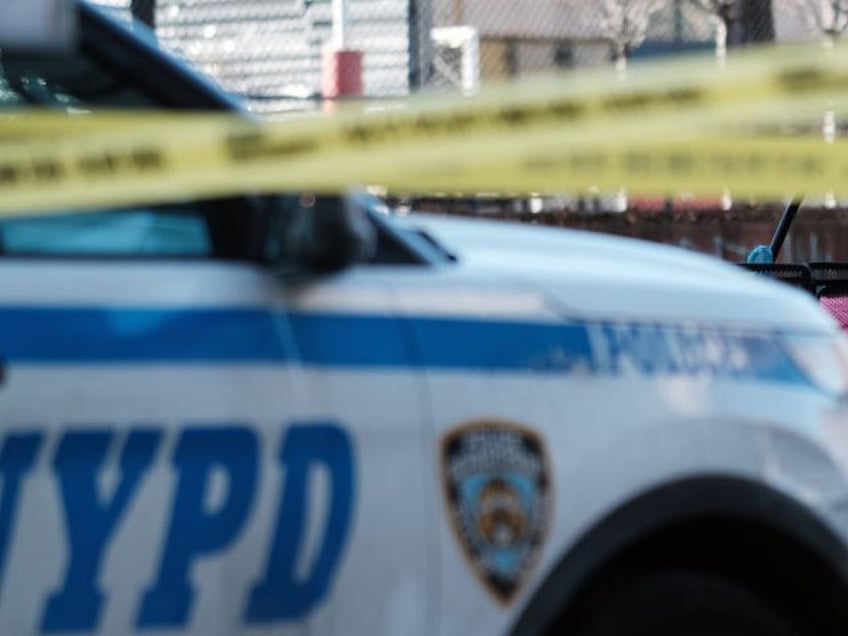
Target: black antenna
783	226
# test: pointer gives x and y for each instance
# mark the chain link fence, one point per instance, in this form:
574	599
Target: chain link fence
281	55
278	54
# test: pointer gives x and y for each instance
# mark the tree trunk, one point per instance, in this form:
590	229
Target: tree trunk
751	21
760	19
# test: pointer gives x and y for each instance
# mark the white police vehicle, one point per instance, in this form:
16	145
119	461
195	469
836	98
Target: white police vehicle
304	416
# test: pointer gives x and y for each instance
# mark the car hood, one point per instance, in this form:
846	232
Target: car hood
590	274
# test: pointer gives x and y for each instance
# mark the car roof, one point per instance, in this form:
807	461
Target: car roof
114	64
172	81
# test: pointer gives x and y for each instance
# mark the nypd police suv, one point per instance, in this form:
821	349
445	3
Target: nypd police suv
303	415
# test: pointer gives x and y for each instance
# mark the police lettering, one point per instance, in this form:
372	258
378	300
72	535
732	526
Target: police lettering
92	518
658	350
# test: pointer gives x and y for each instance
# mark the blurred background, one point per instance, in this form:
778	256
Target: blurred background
273	52
289	56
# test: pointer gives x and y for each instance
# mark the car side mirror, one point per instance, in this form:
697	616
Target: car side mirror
321	234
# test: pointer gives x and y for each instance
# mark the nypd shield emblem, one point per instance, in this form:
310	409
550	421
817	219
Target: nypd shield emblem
498	495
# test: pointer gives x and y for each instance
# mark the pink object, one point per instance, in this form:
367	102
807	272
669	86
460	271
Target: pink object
342	73
838	308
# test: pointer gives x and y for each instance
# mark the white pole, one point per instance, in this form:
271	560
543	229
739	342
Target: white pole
340	14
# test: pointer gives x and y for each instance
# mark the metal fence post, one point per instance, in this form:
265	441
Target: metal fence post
420	43
752	22
145	12
760	19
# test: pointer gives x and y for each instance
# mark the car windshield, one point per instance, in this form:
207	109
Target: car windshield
117	63
102	72
72	79
67	81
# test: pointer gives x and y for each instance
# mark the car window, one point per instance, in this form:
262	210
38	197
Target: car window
114	65
65	81
168	231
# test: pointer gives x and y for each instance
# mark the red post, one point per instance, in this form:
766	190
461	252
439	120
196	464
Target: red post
342	73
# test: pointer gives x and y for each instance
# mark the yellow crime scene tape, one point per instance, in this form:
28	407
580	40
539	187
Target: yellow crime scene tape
764	168
661	130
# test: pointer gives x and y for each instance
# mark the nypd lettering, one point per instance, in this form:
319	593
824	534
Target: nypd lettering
497	486
92	519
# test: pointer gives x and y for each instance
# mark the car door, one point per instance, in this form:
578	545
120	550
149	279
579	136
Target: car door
489	465
156	450
358	367
191	442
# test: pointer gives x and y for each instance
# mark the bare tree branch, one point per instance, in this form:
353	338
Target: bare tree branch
625	23
830	17
716	7
740	21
